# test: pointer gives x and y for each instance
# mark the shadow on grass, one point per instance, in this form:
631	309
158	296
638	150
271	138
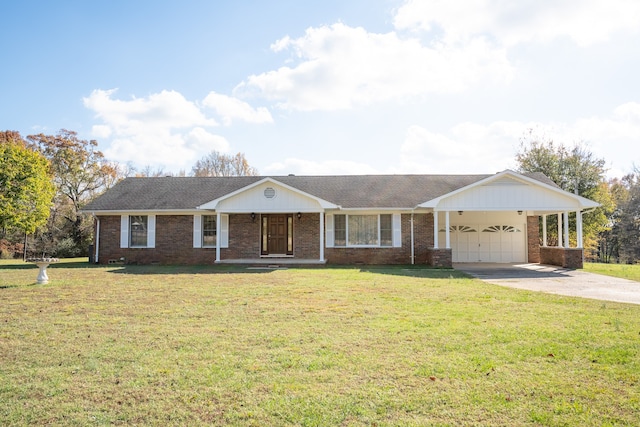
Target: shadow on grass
416	271
63	263
183	269
396	270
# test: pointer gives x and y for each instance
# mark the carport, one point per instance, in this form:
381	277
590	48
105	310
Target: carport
503	218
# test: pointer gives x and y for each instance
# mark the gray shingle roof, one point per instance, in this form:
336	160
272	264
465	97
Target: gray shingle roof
348	191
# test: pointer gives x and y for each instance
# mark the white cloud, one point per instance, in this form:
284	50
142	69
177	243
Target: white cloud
163	130
467	148
489	148
440	47
167	109
101	131
510	22
340	67
230	108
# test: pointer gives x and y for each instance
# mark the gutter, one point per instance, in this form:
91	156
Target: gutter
413	256
589	210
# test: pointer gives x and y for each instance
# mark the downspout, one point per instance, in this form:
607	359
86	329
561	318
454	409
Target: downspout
97	239
413	256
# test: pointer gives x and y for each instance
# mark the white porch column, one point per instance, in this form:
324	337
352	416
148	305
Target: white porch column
435	229
544	230
446	230
218	221
579	229
322	236
559	229
566	229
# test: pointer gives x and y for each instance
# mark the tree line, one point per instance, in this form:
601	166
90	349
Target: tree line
46	180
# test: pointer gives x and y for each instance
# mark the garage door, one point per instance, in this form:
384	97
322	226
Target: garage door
488	243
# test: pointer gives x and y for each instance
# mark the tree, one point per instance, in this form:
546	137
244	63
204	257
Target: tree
623	240
575	170
218	164
80	172
26	190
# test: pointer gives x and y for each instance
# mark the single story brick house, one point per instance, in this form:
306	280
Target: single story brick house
436	220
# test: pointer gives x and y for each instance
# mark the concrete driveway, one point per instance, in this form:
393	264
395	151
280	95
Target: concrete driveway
556	280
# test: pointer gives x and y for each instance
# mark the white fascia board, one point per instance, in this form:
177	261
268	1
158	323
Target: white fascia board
212	205
584	202
145	212
360	210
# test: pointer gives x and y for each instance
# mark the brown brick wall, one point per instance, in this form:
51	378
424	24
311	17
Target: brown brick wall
440	258
533	239
174	242
562	257
244	237
306	239
423	239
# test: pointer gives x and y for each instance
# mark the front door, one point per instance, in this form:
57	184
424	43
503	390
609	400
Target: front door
277	234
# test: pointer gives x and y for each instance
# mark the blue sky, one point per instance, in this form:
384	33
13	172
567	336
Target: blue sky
326	87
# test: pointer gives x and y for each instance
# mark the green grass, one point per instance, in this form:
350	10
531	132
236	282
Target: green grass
625	271
307	347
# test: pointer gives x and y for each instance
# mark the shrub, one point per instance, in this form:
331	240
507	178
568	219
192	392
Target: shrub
10	250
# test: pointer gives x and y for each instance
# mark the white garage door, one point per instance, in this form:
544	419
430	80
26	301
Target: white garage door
487	243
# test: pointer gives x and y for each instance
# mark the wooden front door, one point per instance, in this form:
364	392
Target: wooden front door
277	234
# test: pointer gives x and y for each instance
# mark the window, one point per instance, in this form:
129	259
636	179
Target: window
209	230
363	230
138	231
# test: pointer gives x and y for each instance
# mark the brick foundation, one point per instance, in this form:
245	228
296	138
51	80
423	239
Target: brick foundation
562	257
442	258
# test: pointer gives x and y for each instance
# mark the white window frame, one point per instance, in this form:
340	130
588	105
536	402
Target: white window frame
125	232
215	242
396	231
222	231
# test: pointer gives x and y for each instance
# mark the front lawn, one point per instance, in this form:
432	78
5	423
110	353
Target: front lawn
310	347
625	271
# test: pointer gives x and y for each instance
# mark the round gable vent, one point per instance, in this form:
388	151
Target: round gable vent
269	193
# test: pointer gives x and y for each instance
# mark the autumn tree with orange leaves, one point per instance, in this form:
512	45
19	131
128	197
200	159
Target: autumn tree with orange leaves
80	173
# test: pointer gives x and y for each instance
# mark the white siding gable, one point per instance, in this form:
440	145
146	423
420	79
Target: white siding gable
269	197
508	196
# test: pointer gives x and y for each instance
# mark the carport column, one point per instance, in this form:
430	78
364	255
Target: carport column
322	236
218	219
435	229
544	230
579	229
446	231
566	229
559	229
